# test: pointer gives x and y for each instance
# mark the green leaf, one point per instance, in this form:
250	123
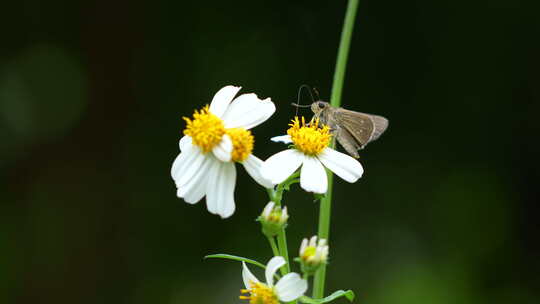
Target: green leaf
234	258
349	294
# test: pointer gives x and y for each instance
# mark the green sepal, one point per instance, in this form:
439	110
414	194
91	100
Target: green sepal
271	229
309	269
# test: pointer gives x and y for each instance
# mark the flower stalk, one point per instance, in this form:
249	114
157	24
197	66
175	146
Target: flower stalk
335	101
275	196
274	247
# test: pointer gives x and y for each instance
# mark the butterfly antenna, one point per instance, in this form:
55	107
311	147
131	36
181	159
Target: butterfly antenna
298	105
317	93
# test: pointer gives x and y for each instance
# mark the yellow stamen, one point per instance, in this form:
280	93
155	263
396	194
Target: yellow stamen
205	129
310	139
274	216
309	253
242	143
259	293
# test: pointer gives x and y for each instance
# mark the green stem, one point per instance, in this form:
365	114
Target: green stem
335	100
343	53
273	244
282	243
276	196
324	233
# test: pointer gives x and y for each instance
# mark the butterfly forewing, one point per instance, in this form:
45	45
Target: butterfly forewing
353	130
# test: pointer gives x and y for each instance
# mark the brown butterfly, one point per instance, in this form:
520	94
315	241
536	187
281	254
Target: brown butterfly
353	130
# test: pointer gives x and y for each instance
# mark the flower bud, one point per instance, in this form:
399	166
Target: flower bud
313	254
273	219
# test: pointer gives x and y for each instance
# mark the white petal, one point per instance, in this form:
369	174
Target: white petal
280	166
224	149
177	162
268	209
303	246
253	167
341	164
273	265
211	199
190	169
222	99
184	164
248	111
220	189
197	192
284	214
324	254
247	276
313	177
186	150
195	189
291	287
313	241
286	139
185	143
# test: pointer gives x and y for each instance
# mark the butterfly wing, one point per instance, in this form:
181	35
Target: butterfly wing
363	127
348	142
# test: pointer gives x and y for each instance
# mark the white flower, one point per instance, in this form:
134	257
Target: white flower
215	138
310	151
289	288
313	252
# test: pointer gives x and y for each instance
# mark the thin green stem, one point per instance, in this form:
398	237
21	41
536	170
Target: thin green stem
343	53
276	196
282	243
276	252
335	100
324	233
273	245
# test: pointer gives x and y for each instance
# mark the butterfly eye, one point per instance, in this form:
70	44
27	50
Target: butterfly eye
321	105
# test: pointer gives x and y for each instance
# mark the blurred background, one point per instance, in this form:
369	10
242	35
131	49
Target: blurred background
91	99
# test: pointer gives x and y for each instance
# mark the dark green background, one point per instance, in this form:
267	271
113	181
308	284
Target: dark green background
91	99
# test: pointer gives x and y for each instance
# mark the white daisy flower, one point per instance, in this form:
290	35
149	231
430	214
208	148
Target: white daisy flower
289	288
310	150
215	138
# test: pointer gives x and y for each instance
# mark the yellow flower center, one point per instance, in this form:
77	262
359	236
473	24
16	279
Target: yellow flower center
205	129
242	143
259	293
275	216
310	139
309	253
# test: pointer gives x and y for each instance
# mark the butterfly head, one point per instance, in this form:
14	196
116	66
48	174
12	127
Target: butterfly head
319	106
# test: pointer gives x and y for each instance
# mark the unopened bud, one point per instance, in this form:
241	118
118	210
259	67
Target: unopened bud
273	219
313	254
